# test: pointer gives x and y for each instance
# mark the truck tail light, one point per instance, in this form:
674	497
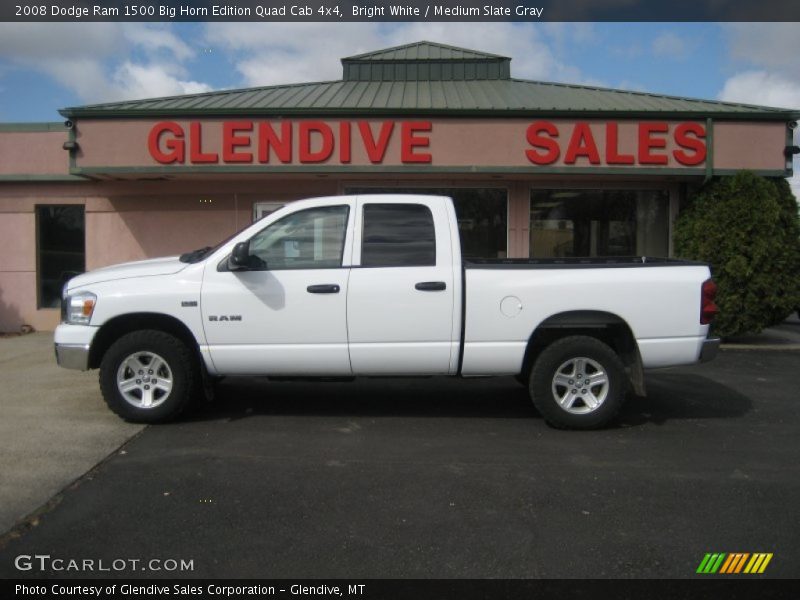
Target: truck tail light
708	309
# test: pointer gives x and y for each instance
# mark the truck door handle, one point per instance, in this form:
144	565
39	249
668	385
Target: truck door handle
323	288
431	286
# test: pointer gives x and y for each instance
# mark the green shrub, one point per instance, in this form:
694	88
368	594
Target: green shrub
790	223
746	228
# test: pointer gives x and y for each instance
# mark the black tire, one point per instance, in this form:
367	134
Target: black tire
180	368
562	359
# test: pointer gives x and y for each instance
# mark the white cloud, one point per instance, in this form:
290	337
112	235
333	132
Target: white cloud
670	45
532	52
31	42
155	37
768	45
762	87
96	60
144	81
765	59
275	53
627	52
103	62
85	76
571	33
631	86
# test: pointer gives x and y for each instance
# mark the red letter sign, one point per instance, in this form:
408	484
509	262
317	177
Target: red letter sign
326	149
175	144
231	141
376	150
647	143
613	157
196	154
548	144
409	141
268	139
581	143
695	143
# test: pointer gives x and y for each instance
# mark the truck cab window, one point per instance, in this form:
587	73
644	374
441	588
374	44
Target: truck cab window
308	239
398	235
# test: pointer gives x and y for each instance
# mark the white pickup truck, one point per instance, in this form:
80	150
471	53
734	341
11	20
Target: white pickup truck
375	285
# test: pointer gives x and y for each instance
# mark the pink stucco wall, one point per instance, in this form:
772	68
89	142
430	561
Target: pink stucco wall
18	274
18	300
753	146
33	153
132	228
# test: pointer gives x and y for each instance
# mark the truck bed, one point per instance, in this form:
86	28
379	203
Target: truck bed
576	263
506	300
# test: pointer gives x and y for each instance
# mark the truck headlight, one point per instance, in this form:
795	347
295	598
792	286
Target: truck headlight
78	308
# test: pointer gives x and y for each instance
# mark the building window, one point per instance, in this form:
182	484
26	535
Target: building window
482	215
264	209
398	235
61	250
308	239
568	223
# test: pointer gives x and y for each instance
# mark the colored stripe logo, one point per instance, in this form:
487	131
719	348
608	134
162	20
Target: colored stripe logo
734	562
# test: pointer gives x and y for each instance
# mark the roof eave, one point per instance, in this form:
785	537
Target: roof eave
776	115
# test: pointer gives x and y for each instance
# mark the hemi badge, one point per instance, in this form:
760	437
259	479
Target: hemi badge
188	303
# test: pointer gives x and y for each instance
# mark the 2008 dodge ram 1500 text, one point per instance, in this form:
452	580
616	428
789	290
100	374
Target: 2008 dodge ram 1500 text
376	285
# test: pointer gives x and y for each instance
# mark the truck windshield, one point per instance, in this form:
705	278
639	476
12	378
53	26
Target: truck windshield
199	254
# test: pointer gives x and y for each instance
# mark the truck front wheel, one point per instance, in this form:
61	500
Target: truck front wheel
578	382
149	376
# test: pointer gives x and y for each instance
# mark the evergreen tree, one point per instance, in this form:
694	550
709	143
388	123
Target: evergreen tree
746	228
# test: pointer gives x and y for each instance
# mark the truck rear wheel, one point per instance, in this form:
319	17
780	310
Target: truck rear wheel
578	382
149	376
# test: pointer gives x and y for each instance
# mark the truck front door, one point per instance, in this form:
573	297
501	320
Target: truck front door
287	316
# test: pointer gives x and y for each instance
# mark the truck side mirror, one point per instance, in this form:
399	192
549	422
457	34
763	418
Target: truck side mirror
241	259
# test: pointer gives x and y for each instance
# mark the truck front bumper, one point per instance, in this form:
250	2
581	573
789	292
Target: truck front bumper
72	345
709	350
73	356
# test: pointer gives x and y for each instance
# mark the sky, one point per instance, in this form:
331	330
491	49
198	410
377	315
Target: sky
47	66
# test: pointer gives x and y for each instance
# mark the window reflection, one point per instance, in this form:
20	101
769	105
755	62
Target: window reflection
61	249
309	239
482	215
586	223
398	235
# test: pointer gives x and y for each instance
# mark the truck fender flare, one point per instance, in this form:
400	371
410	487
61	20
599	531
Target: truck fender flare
609	328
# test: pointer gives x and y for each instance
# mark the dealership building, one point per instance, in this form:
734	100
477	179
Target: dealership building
535	169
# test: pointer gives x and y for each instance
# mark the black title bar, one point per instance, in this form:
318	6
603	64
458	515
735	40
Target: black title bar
732	588
399	11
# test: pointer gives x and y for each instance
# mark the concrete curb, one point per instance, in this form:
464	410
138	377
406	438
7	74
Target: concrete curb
747	347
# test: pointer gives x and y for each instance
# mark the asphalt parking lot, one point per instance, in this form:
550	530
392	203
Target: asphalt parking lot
53	426
447	478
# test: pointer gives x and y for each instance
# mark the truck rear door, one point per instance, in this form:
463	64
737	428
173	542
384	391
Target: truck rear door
402	288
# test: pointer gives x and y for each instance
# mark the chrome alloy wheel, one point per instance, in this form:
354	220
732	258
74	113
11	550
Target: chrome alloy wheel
580	385
144	380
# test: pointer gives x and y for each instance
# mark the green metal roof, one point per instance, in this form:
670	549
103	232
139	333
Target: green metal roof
496	97
425	61
429	79
32	127
424	51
